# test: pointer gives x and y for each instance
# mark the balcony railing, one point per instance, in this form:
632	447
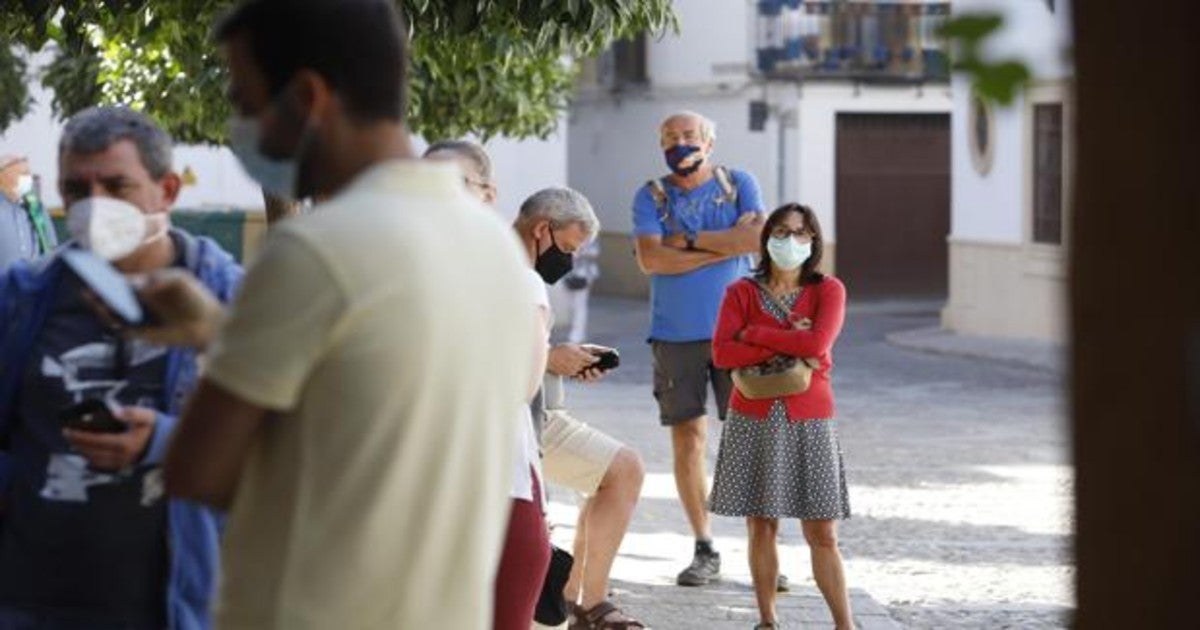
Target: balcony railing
865	40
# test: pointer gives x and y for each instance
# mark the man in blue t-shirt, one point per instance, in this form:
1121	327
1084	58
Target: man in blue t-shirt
695	229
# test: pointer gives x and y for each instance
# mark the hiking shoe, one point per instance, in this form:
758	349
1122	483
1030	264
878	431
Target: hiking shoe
781	584
705	569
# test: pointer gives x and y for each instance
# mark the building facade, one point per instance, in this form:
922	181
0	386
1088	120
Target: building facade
1011	169
843	106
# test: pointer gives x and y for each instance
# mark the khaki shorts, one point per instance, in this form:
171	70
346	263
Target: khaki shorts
573	454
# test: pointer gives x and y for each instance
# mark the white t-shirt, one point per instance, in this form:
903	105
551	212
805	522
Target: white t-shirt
528	454
377	495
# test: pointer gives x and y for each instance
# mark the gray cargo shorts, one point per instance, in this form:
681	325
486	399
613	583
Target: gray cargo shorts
683	372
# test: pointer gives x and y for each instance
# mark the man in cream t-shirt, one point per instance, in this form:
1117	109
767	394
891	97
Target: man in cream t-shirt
356	415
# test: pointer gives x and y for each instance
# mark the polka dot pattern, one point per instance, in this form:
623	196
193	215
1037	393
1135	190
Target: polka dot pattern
779	468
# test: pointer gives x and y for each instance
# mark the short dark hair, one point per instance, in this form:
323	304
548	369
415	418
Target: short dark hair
97	128
359	46
467	150
808	271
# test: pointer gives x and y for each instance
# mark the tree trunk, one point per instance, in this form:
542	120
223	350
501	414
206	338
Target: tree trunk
1135	313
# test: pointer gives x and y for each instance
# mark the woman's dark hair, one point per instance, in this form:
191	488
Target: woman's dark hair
808	271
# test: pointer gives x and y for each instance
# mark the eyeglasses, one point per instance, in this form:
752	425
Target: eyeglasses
800	233
478	183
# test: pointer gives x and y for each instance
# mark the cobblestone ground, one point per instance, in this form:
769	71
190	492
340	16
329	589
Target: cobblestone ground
959	482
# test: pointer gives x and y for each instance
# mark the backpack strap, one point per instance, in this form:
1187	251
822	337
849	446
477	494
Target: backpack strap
658	192
725	180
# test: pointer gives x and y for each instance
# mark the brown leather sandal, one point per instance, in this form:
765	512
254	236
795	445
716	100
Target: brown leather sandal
597	618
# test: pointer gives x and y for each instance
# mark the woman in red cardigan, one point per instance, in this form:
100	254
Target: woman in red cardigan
780	457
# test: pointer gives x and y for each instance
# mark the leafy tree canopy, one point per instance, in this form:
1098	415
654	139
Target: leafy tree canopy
489	67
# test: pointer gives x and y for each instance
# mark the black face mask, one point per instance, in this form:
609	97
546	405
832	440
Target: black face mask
553	263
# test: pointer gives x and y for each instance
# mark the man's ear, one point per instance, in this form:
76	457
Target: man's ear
314	92
171	184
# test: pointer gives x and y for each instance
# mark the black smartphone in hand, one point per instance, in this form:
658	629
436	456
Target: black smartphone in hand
608	359
91	415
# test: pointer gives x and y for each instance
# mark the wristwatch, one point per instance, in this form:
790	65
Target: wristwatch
690	239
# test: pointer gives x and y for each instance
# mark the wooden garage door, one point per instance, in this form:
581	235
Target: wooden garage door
893	204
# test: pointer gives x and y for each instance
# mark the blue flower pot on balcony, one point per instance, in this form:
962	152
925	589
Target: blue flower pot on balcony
882	55
793	50
767	58
770	8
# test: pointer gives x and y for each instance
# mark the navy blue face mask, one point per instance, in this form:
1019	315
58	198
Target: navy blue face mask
677	154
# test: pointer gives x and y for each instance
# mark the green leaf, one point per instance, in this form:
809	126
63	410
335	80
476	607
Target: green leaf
971	28
1002	82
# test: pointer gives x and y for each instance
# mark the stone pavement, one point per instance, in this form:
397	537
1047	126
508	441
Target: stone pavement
1025	352
959	479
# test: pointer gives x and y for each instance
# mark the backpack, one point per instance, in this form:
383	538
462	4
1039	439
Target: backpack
729	194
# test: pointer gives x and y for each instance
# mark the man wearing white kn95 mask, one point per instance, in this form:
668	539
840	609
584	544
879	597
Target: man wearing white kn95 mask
88	537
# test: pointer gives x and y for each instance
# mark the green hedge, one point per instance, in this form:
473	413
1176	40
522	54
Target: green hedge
225	227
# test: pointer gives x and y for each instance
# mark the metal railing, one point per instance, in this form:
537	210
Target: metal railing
866	40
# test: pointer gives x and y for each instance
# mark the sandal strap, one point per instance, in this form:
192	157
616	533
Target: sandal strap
595	615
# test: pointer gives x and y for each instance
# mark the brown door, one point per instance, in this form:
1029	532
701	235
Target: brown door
893	204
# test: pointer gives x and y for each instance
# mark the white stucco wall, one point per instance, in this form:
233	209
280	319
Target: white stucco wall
614	148
614	140
712	33
522	167
990	208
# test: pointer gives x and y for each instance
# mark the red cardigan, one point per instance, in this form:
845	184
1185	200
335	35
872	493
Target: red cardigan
763	337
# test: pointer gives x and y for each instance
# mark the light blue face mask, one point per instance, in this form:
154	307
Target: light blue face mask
787	253
278	177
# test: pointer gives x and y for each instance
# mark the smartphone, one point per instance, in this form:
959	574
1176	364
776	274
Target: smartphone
112	288
609	360
93	415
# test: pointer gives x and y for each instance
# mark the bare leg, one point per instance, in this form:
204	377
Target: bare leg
764	563
827	570
602	524
579	546
691	479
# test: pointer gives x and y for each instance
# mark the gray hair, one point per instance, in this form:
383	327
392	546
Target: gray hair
466	150
562	207
708	128
98	128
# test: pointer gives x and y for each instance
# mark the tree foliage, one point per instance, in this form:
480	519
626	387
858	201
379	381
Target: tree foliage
997	81
14	94
489	67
